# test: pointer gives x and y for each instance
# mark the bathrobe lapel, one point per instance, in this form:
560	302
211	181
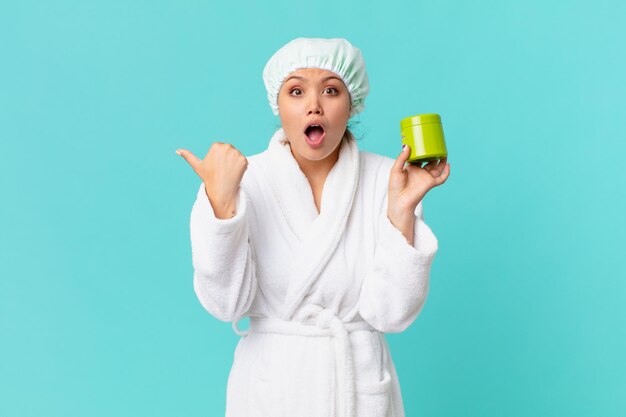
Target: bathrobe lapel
318	234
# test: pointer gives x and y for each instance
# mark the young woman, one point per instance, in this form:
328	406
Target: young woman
323	246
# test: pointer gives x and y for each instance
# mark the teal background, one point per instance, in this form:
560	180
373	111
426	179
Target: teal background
525	315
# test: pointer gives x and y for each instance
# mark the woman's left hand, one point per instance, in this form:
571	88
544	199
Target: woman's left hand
409	184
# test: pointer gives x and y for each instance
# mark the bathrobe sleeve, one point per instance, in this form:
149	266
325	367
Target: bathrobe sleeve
224	277
395	287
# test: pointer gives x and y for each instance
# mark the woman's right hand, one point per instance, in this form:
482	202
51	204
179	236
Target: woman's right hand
221	170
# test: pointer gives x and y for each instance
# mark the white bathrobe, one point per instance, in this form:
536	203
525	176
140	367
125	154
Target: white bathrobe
320	290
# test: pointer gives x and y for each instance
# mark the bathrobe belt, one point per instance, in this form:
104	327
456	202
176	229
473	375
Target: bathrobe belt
326	323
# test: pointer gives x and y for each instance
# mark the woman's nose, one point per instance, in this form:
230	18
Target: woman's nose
314	106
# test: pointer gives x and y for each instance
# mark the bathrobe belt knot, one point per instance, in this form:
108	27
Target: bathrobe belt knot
325	323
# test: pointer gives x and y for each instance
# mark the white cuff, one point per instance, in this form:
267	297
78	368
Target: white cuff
425	243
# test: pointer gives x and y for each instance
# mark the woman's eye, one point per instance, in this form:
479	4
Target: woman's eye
335	91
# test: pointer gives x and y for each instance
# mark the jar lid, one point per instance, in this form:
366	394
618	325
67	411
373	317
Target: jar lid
420	119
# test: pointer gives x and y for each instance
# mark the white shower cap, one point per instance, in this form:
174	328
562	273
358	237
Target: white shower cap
336	55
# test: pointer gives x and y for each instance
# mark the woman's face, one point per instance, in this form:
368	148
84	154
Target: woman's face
318	96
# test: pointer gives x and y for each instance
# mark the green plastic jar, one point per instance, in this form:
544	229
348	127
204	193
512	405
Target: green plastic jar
424	135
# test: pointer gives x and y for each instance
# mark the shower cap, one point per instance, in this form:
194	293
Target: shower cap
336	55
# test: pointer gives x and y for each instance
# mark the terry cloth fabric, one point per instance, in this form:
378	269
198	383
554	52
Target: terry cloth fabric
320	289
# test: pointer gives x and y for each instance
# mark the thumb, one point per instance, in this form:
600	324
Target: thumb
190	158
398	166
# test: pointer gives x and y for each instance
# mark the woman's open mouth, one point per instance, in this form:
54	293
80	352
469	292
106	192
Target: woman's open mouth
314	135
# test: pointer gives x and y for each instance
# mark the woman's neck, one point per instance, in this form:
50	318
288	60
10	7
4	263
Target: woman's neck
317	171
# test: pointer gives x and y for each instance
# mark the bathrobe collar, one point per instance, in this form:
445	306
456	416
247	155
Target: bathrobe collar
318	234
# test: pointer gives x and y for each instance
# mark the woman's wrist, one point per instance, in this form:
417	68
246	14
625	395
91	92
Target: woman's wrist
404	222
223	209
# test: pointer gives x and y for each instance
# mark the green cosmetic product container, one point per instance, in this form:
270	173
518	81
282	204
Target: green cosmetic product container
423	133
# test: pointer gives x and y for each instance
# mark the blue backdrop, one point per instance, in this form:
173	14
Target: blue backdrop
98	317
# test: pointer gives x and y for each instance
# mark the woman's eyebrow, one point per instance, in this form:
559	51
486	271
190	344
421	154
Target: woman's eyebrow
303	78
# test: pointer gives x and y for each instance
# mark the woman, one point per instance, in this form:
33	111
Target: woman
323	246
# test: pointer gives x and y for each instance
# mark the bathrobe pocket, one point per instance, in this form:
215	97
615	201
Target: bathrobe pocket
264	394
373	400
373	383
